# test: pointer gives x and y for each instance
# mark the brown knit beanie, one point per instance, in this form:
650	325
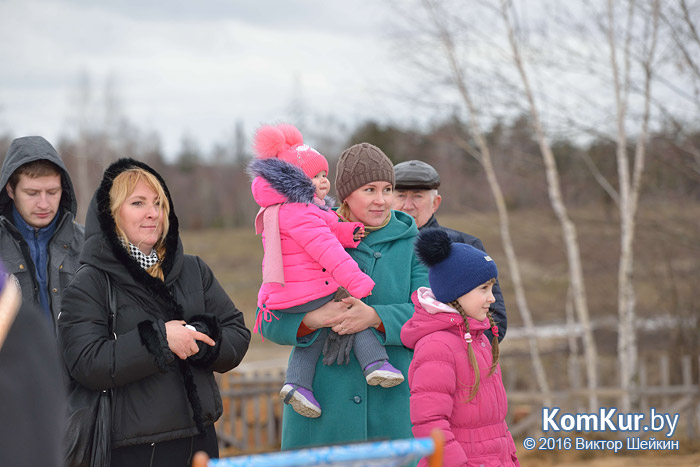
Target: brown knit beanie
359	165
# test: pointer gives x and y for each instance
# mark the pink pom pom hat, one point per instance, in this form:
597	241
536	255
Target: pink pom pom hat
285	142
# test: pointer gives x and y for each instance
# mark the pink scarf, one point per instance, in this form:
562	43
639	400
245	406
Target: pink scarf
267	219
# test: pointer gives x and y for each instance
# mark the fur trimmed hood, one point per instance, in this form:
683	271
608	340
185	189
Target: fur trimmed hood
275	181
104	250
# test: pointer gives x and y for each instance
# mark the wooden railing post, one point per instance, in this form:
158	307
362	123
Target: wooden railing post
665	372
642	388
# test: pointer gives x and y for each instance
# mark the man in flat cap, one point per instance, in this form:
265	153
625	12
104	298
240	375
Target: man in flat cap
416	194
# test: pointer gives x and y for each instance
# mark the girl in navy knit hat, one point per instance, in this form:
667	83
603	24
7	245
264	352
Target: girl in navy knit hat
454	376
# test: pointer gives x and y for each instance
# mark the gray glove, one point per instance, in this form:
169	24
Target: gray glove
337	348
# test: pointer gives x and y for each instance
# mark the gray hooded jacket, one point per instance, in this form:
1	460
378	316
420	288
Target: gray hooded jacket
64	246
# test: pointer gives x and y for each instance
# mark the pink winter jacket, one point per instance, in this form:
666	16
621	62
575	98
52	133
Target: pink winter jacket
440	377
314	259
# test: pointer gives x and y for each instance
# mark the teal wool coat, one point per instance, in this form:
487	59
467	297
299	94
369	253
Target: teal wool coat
352	410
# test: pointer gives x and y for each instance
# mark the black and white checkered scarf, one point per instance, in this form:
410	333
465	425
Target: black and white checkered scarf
145	261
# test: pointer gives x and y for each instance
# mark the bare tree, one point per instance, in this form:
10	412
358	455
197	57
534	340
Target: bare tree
569	231
681	19
629	183
102	134
82	118
482	154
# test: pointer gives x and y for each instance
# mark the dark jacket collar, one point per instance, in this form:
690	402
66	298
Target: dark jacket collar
431	224
27	231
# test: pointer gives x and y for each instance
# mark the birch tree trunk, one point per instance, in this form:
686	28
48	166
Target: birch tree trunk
629	186
568	228
483	155
83	117
574	358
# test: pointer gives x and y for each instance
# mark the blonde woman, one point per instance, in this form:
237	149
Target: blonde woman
175	324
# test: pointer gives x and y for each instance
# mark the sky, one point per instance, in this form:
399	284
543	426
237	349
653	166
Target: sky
195	68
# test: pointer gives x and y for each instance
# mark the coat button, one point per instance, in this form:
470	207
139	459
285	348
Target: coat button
326	282
60	267
377	254
21	266
483	344
55	290
357	399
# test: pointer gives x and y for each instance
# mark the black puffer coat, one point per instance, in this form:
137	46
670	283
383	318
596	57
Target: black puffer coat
157	396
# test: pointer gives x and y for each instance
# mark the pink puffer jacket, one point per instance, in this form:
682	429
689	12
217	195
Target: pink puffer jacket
440	378
314	259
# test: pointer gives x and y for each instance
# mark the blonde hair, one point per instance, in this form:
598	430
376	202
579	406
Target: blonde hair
122	187
495	352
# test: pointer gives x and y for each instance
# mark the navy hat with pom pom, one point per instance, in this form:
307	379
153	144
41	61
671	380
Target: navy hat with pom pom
454	269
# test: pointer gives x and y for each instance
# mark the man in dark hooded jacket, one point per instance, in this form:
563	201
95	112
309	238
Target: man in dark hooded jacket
39	238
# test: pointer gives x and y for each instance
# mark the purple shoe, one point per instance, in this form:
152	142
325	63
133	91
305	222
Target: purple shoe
383	373
302	400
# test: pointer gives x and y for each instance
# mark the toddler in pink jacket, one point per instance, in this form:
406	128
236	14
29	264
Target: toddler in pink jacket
454	376
305	264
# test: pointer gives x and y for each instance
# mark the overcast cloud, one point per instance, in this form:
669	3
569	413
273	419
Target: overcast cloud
193	67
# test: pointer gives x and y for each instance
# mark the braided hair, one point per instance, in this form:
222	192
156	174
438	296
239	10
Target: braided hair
495	352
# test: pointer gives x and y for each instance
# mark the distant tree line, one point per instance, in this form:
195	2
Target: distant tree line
213	190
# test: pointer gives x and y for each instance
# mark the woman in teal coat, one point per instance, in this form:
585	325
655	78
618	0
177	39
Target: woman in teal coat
353	410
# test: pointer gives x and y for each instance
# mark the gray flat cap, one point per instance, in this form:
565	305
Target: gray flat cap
416	175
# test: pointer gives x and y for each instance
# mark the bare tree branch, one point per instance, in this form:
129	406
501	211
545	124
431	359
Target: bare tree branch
483	155
567	226
602	181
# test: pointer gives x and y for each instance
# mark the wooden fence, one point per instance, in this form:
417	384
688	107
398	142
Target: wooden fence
252	417
669	386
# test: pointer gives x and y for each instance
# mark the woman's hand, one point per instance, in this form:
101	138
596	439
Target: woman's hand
319	317
183	341
356	317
